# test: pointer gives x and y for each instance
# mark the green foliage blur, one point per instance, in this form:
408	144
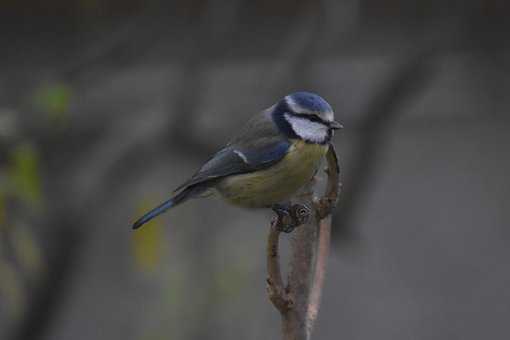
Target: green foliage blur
148	243
21	203
23	175
54	99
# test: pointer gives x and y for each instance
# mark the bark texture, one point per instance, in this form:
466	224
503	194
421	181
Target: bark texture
298	301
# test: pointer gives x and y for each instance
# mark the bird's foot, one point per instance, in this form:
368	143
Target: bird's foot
288	216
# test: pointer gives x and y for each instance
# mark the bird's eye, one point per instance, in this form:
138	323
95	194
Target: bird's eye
310	117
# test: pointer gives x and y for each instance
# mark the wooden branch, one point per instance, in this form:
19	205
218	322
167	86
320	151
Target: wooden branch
324	208
275	289
320	271
299	301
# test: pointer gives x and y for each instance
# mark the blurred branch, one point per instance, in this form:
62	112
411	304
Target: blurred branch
108	46
300	49
405	81
411	75
299	301
47	297
204	44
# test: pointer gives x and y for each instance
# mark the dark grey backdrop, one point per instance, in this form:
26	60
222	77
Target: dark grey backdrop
106	107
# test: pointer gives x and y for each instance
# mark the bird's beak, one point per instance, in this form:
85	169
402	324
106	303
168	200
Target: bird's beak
335	125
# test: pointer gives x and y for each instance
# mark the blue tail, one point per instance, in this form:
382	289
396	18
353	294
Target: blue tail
172	202
153	213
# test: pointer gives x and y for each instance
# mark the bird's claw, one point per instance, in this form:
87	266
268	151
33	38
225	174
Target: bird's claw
291	216
286	228
300	214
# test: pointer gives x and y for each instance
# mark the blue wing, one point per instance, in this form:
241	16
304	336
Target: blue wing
257	146
239	159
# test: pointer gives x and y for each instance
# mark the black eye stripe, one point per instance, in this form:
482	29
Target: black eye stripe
312	118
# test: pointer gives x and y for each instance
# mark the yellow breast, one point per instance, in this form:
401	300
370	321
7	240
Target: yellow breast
277	183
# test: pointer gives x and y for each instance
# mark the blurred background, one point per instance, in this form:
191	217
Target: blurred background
105	107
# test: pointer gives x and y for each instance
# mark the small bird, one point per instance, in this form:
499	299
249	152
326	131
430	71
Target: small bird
273	156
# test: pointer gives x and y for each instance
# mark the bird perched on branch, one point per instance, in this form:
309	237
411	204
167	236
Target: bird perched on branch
274	155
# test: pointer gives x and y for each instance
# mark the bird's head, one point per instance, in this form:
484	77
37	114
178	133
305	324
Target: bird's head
306	116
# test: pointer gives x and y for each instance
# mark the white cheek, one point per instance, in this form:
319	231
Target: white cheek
308	130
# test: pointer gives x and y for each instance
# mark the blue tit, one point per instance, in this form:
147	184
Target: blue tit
273	156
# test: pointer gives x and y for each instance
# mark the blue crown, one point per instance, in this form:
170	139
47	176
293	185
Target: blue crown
310	101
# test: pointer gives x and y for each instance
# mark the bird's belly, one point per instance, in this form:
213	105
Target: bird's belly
277	183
